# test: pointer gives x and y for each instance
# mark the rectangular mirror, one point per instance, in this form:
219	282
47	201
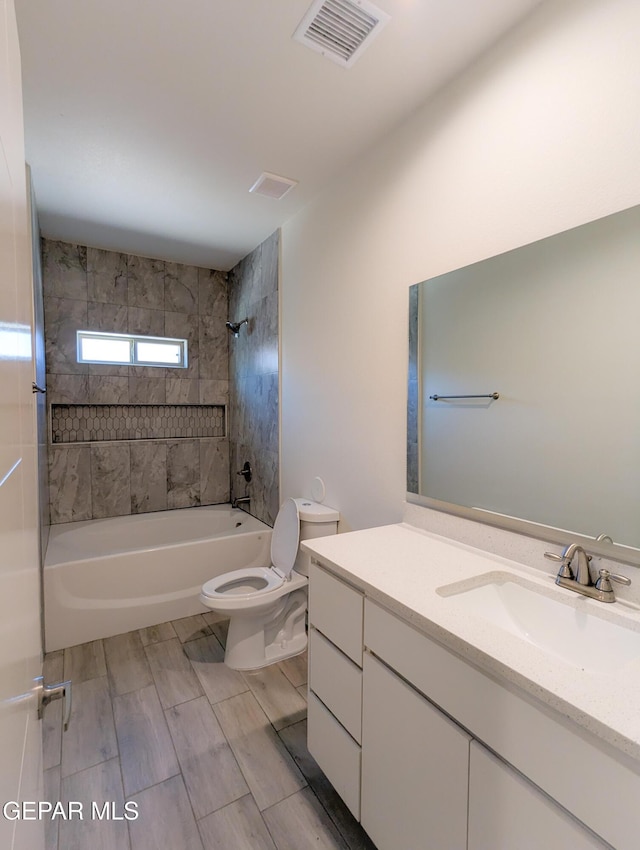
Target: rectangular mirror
552	327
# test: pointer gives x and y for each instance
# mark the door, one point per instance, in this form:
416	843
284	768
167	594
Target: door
20	643
415	767
505	810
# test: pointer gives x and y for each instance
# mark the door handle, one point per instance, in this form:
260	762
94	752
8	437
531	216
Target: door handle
49	693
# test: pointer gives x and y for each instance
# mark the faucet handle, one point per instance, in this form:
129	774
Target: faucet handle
565	570
605	579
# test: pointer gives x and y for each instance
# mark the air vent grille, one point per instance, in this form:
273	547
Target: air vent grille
340	29
272	185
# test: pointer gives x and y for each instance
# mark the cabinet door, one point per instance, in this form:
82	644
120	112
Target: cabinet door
507	811
415	768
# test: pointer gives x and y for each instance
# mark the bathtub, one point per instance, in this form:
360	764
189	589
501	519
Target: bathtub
108	576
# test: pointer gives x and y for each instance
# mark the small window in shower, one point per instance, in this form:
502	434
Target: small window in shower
131	350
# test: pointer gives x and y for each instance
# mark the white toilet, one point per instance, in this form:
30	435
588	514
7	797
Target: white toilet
267	605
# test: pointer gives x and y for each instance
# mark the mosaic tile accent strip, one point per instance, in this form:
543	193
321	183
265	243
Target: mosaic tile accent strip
89	423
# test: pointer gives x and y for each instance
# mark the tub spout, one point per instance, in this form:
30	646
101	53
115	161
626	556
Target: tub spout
241	500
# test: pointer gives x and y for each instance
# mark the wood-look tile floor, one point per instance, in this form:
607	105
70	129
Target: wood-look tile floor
213	758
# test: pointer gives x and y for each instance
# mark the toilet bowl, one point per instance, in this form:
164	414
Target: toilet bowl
266	606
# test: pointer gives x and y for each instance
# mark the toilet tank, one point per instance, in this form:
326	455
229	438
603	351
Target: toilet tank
316	520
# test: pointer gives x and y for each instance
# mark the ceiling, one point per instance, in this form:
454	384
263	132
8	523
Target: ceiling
147	122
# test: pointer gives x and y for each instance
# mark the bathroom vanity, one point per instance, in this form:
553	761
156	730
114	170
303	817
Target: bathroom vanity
442	727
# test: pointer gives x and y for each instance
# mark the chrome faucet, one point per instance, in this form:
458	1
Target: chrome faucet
581	582
581	572
240	500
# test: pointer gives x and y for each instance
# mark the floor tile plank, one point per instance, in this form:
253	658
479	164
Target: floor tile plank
85	661
220	629
156	634
52	794
173	674
191	628
218	681
165	819
127	663
295	669
211	773
238	826
99	784
269	770
301	823
280	701
146	749
91	737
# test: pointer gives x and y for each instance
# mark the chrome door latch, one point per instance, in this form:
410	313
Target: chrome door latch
49	693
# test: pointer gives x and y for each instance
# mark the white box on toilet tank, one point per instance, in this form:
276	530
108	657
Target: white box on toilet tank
316	520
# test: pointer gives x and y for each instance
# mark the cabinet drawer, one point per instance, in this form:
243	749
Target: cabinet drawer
336	752
527	735
337	681
336	609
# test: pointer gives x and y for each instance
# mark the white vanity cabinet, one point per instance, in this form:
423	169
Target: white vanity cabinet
429	752
334	714
566	768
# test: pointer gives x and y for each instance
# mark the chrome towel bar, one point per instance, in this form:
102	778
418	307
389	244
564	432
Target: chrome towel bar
441	397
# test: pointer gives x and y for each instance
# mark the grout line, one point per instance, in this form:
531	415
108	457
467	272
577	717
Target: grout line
288	796
124	796
266	826
155	784
226	806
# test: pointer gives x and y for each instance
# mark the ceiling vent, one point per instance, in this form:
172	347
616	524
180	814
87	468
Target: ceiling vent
340	29
272	185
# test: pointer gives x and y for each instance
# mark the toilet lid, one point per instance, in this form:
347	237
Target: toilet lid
286	537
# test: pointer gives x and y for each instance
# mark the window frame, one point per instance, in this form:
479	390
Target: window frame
132	339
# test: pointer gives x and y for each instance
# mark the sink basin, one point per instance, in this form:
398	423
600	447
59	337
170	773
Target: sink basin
579	637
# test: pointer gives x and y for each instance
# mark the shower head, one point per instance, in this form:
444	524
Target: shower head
234	327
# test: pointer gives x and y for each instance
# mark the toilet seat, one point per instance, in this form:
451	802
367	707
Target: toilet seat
233	591
252	587
243	584
285	539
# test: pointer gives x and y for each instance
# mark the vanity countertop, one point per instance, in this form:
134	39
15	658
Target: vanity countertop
401	567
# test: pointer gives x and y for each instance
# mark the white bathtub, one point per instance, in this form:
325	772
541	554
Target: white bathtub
108	576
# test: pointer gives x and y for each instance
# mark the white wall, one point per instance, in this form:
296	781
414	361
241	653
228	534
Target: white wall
539	136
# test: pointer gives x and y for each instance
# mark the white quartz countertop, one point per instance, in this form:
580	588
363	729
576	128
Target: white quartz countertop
402	567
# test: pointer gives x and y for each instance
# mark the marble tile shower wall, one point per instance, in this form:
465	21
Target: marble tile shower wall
253	369
88	288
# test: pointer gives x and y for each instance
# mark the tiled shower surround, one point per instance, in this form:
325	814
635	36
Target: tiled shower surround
253	372
90	289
